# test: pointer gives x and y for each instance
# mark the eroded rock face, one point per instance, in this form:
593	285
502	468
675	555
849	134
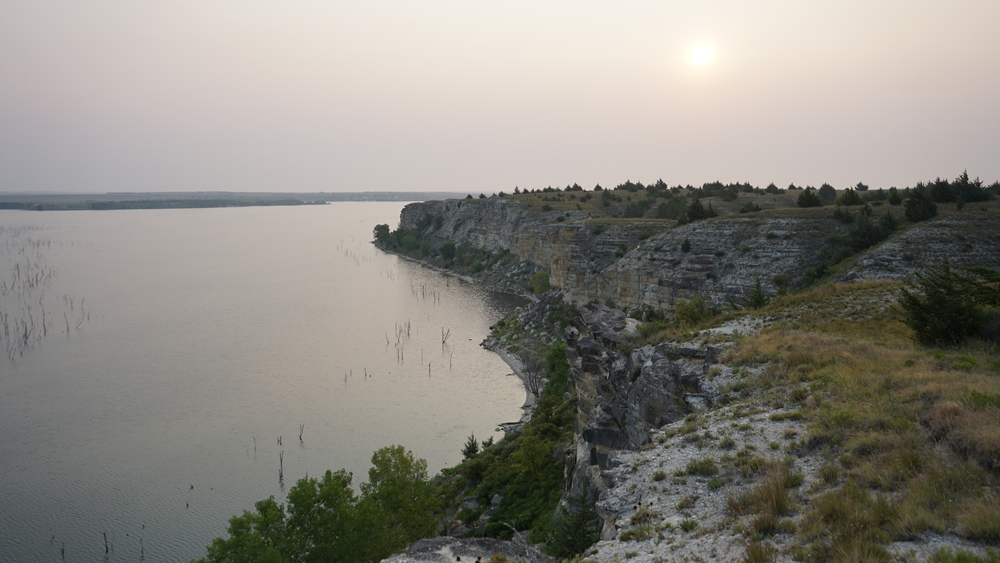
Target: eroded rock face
621	399
566	248
636	262
971	241
724	259
646	262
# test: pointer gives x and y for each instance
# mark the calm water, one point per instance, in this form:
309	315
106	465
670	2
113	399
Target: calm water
174	338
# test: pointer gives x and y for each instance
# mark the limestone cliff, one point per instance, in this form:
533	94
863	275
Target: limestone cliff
636	262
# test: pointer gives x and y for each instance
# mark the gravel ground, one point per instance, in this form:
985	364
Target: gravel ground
654	484
666	514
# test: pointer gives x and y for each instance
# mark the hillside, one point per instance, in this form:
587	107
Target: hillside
811	429
718	374
593	253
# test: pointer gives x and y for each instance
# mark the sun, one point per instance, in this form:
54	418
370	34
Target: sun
700	55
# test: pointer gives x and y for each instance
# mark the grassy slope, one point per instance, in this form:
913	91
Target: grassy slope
909	442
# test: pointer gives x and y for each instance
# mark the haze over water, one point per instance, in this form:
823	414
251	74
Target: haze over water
210	328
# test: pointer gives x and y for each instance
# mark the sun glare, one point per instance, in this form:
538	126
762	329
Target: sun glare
700	55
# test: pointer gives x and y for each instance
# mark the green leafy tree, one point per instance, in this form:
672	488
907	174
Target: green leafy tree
326	521
531	454
381	233
259	536
322	522
398	500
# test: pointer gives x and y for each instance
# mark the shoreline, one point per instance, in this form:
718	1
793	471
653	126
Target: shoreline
517	369
489	343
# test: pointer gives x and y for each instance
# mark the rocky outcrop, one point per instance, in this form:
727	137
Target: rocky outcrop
720	259
621	398
468	550
634	263
971	240
561	242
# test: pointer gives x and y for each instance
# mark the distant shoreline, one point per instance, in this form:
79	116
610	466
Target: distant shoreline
196	200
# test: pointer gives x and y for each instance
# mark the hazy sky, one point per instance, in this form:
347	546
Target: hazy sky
477	95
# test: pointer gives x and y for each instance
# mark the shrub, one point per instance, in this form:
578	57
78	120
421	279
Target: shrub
809	198
690	313
696	211
448	251
919	206
850	197
705	467
843	215
867	233
756	298
946	308
827	193
894	197
540	283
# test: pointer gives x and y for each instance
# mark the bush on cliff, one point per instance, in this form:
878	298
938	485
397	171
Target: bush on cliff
525	469
850	197
574	527
540	283
945	307
809	198
688	313
919	206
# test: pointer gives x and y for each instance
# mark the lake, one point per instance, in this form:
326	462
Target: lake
168	351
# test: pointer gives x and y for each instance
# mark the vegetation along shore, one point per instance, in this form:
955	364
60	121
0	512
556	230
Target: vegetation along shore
720	373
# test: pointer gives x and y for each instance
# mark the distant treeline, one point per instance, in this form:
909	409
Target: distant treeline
940	189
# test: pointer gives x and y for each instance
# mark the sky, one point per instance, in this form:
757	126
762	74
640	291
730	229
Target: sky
482	96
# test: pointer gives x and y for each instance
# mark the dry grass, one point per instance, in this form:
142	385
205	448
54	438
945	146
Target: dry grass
768	499
911	434
980	518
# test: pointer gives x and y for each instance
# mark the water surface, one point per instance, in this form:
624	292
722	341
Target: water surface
197	338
